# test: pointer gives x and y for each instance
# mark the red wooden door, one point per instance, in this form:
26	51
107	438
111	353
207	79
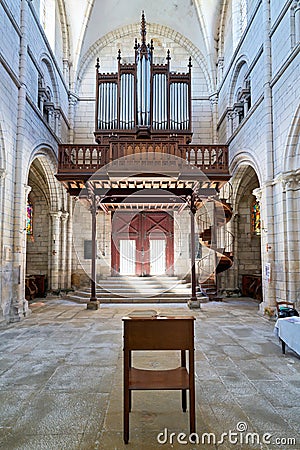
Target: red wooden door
142	227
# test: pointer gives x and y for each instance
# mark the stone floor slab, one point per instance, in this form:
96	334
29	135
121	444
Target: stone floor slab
61	380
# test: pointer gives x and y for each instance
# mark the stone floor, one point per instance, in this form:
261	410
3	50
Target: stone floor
61	382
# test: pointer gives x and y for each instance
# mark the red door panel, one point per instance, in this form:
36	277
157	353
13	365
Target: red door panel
142	226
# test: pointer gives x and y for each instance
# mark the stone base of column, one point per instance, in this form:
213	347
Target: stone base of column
26	310
194	303
18	311
93	305
267	310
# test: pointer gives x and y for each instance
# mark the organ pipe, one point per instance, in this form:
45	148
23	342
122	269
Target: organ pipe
126	103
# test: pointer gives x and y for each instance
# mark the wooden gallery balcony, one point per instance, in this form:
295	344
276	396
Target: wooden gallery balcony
77	163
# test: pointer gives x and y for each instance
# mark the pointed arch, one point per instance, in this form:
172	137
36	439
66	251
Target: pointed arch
291	154
50	76
65	29
241	161
44	154
237	78
133	30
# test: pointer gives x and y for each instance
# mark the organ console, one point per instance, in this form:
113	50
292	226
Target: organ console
143	100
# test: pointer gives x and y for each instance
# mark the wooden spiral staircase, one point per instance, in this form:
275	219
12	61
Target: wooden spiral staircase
220	245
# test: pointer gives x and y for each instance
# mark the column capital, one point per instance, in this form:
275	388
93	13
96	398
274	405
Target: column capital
73	99
55	214
221	61
2	174
27	190
258	194
64	216
229	113
214	98
56	112
291	181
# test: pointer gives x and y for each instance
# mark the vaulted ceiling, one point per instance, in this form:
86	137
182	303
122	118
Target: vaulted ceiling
90	20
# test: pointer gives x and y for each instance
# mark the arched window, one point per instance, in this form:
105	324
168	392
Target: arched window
29	218
255	218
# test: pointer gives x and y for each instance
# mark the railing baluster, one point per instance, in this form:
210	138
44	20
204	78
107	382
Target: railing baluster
74	157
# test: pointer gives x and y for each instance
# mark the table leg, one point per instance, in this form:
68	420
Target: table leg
126	406
282	346
183	392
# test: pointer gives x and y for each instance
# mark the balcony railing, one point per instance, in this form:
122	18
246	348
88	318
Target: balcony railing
78	159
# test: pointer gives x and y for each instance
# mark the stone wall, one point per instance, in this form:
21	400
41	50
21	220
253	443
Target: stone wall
25	135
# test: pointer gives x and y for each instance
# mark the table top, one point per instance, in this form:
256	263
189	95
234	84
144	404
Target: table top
153	315
282	320
288	329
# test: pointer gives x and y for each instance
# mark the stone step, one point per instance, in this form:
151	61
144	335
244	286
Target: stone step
87	294
133	289
141	281
180	299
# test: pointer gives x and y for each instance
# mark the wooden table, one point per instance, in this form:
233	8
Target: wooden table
159	333
288	331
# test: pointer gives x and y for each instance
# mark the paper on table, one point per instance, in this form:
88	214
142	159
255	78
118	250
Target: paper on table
143	313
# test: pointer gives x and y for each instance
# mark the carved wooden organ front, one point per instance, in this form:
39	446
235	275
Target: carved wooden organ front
143	100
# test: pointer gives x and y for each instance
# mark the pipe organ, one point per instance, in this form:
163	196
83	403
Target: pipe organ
143	100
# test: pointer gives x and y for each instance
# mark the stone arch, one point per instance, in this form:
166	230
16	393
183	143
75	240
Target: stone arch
221	29
237	27
238	78
48	165
291	154
134	30
50	78
242	177
67	42
247	252
241	161
49	203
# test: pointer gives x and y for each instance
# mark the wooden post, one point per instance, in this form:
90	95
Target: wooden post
93	303
193	267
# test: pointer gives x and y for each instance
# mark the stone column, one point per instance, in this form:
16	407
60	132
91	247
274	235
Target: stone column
214	105
55	247
245	105
237	114
57	127
93	303
268	186
291	185
63	259
229	122
69	242
220	70
2	177
230	242
193	210
2	253
235	230
51	119
72	104
18	304
66	70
